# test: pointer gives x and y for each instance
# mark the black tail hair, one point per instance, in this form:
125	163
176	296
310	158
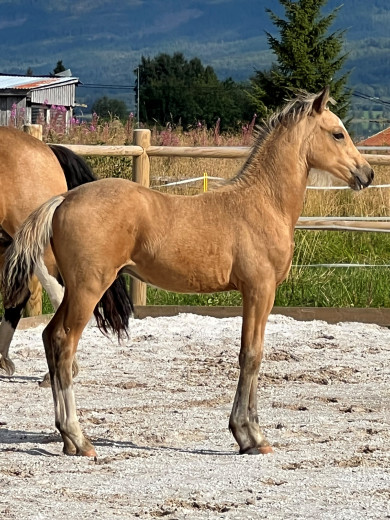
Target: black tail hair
115	308
75	169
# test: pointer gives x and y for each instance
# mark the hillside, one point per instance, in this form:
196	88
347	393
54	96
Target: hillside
102	41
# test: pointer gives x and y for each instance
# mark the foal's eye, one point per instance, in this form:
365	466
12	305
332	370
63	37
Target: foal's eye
338	136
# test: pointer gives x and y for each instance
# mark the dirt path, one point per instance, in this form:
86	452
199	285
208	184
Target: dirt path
157	409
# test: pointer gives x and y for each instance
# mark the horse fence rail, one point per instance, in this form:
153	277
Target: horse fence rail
142	150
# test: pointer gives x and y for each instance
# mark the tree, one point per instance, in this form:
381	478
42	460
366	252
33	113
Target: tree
174	90
108	108
59	67
308	58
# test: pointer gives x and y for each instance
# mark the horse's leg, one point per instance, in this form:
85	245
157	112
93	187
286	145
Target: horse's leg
34	304
243	419
11	316
55	292
54	289
60	339
7	329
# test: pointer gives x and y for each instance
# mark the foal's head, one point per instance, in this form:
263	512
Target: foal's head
331	149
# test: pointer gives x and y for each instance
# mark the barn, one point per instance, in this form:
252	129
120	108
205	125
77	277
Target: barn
380	139
32	99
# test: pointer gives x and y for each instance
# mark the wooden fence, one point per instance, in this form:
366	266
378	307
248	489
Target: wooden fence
142	149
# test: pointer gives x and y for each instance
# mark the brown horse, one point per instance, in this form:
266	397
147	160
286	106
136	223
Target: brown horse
240	237
31	172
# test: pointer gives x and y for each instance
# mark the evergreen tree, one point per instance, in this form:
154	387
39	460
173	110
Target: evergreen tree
308	58
59	67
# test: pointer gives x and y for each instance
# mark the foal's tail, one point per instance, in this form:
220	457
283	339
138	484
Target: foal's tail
27	249
75	169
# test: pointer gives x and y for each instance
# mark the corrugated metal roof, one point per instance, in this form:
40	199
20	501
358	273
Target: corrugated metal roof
32	82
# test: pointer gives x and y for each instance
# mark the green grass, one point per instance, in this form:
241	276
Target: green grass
317	286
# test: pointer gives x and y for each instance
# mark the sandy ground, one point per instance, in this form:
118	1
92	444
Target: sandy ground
157	408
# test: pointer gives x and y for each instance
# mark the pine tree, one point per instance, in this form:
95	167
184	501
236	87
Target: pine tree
59	67
308	58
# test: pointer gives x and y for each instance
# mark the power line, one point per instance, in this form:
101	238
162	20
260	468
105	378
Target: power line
113	87
374	99
161	88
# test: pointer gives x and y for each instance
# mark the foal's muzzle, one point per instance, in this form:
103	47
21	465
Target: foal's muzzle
362	177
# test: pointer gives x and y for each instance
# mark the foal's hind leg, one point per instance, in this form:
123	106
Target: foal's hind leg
55	292
60	339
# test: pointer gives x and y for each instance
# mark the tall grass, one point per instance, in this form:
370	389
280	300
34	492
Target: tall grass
305	286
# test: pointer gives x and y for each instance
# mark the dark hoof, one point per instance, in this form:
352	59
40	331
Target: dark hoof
45	383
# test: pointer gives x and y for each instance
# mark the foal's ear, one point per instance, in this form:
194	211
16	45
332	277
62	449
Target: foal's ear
321	101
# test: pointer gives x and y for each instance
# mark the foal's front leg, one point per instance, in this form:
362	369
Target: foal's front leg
243	419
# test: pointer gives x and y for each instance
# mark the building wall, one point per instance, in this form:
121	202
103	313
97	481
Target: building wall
62	96
6	110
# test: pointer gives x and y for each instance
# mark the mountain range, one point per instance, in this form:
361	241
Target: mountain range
102	41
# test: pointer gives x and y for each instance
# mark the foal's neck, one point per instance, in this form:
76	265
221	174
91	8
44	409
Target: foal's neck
278	170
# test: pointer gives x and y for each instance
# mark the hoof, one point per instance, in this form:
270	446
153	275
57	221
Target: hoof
264	450
45	383
88	453
71	452
80	453
8	366
260	450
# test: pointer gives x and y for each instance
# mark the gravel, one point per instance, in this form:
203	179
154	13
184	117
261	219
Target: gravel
157	407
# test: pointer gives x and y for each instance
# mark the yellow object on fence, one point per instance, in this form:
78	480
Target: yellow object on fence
205	179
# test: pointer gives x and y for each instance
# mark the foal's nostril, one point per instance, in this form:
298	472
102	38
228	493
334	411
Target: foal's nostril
372	175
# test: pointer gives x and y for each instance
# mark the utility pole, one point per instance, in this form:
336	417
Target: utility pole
138	97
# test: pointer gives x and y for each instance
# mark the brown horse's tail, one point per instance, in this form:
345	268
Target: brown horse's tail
26	250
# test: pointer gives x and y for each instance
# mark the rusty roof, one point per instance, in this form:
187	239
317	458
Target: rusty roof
33	82
380	139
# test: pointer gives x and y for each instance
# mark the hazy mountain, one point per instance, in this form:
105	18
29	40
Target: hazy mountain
102	40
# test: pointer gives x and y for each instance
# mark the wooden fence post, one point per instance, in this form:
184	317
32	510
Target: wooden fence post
141	174
34	130
34	304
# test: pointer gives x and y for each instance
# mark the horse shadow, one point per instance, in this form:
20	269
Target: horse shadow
20	379
13	440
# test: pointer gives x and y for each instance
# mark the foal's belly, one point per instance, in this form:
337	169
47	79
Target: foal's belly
185	278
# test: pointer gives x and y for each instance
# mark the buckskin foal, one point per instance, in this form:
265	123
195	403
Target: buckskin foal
239	236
